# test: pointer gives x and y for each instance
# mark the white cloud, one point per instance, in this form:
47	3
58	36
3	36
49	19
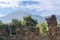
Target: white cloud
1	15
9	3
52	7
44	5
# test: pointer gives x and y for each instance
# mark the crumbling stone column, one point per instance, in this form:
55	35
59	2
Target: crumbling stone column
52	26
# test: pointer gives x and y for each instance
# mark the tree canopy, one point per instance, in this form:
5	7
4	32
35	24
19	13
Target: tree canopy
29	21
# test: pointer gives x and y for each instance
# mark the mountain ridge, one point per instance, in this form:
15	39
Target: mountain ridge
19	14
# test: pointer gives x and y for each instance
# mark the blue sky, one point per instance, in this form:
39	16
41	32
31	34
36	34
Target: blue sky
39	7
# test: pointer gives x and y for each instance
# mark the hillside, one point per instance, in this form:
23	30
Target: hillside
19	15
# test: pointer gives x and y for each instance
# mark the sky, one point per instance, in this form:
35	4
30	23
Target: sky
39	7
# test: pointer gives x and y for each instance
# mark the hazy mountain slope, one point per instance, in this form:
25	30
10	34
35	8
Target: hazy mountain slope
19	15
58	18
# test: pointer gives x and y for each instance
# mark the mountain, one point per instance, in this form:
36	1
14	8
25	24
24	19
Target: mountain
58	18
19	15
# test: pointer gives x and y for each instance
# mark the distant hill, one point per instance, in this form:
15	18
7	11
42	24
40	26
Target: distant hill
19	15
58	18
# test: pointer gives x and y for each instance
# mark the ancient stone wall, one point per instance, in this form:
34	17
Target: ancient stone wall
52	25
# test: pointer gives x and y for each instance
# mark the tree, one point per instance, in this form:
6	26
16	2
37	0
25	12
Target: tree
14	25
29	22
1	25
43	28
58	25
